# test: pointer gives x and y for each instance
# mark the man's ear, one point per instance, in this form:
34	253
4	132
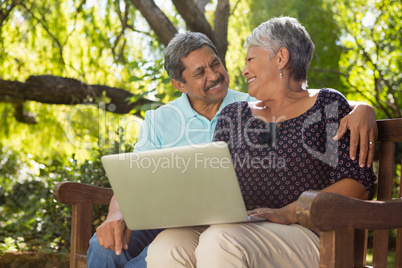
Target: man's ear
283	57
179	85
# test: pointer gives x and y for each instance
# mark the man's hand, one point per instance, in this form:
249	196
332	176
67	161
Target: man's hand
113	232
363	132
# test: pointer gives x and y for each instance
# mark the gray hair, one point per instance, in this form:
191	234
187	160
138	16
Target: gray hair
180	47
289	33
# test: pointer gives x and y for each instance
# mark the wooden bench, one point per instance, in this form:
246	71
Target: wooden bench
342	222
82	197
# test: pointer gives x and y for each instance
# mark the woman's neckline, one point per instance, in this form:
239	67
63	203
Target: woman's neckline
290	119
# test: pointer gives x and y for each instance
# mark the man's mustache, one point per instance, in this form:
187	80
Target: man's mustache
220	79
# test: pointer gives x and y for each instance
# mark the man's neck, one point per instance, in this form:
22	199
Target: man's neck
207	110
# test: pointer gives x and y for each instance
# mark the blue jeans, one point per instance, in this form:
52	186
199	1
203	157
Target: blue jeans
133	257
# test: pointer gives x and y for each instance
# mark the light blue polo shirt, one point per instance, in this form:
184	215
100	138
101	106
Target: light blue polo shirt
177	124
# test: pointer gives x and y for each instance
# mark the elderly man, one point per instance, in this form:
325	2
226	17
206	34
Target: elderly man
195	69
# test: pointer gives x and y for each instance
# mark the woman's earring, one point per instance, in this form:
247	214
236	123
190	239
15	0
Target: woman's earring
280	74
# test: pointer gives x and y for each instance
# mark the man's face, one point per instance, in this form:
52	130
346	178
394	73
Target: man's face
206	79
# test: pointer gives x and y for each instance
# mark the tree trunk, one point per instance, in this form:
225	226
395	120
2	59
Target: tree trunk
192	12
156	19
222	14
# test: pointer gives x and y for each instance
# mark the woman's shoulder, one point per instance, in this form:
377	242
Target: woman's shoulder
327	96
330	94
332	102
235	107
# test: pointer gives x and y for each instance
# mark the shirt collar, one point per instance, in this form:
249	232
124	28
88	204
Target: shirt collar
184	104
228	99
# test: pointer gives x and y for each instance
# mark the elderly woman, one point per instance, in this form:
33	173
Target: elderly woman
281	146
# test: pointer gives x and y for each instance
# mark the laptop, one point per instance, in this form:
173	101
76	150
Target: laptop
174	187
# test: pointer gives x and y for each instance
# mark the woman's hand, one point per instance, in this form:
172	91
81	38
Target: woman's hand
285	215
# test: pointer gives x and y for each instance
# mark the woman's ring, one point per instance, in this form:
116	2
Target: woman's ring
370	142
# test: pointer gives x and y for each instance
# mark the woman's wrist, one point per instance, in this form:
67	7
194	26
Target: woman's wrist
291	212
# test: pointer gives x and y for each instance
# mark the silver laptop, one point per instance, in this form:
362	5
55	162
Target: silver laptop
181	186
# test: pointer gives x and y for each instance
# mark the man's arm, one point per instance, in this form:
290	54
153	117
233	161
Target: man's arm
113	232
362	124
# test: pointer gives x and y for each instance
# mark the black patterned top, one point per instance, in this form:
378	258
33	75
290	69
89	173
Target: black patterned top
275	164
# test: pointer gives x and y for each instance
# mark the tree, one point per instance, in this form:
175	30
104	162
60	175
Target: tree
113	24
48	17
104	52
371	40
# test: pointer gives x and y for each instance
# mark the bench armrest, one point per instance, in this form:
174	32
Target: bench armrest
70	193
326	211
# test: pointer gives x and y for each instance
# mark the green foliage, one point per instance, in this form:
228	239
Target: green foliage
371	39
26	204
30	216
155	79
71	39
237	34
397	181
97	42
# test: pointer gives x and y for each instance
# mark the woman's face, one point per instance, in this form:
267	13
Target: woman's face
261	71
